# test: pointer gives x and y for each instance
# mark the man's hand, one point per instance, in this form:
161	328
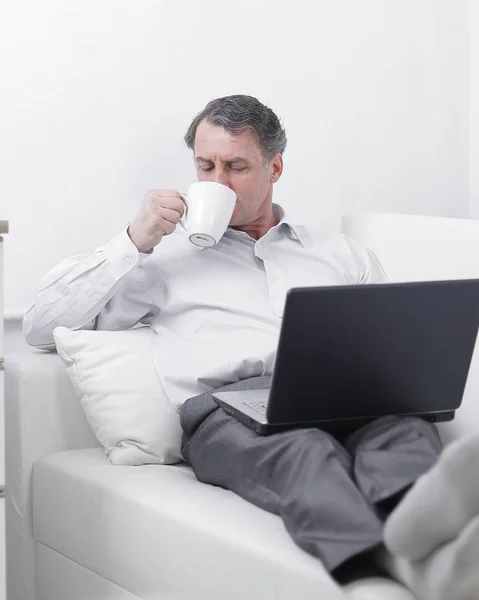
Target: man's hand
159	214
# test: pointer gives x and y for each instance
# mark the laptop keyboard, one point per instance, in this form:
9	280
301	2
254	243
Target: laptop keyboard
259	406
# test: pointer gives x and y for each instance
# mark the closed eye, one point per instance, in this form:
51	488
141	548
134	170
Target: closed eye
208	168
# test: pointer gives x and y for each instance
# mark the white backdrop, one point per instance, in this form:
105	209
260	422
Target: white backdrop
474	110
96	96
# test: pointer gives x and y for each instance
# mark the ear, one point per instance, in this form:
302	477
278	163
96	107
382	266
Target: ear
276	166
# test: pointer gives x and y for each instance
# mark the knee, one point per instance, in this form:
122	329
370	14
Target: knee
426	430
396	431
320	445
194	412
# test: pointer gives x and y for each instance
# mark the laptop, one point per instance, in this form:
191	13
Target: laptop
351	354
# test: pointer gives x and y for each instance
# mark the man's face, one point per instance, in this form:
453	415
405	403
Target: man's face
236	161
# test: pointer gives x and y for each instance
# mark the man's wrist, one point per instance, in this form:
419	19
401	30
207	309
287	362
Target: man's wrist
139	247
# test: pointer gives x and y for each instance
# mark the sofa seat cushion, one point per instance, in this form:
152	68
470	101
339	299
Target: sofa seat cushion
376	588
159	533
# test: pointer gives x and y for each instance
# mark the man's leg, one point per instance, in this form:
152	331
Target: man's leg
303	475
390	454
434	531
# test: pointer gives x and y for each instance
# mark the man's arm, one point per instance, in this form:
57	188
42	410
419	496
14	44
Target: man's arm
369	269
83	292
107	289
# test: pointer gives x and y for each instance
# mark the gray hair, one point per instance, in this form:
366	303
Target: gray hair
241	113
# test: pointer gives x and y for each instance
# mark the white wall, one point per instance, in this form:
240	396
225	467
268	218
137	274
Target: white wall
96	95
474	110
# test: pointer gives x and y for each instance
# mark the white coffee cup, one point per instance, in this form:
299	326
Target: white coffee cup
208	209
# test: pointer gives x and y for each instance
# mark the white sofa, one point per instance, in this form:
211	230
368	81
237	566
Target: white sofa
79	528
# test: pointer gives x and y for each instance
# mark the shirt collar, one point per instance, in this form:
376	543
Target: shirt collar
283	219
296	232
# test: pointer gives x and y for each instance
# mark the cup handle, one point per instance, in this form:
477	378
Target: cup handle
182	221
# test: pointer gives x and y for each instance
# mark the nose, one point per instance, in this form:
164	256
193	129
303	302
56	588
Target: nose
221	176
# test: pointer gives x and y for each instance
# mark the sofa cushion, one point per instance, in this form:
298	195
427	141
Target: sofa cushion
154	529
115	378
376	588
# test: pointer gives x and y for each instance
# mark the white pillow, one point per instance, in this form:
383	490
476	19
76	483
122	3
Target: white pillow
115	378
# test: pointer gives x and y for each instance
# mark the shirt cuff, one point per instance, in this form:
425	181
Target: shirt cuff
122	254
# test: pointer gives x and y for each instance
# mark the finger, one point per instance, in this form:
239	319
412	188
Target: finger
164	193
168	227
173	216
169	193
171	202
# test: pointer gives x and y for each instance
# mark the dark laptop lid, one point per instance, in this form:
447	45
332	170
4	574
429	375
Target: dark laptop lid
370	350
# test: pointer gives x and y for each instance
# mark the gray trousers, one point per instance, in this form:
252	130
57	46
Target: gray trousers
332	493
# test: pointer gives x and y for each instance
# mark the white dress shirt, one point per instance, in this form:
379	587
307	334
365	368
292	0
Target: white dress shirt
217	311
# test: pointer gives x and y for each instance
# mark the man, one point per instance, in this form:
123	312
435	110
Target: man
217	313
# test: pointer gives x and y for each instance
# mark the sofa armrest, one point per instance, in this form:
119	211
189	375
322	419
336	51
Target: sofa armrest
42	416
42	412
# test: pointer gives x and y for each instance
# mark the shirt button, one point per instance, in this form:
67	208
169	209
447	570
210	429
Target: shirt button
274	277
128	262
